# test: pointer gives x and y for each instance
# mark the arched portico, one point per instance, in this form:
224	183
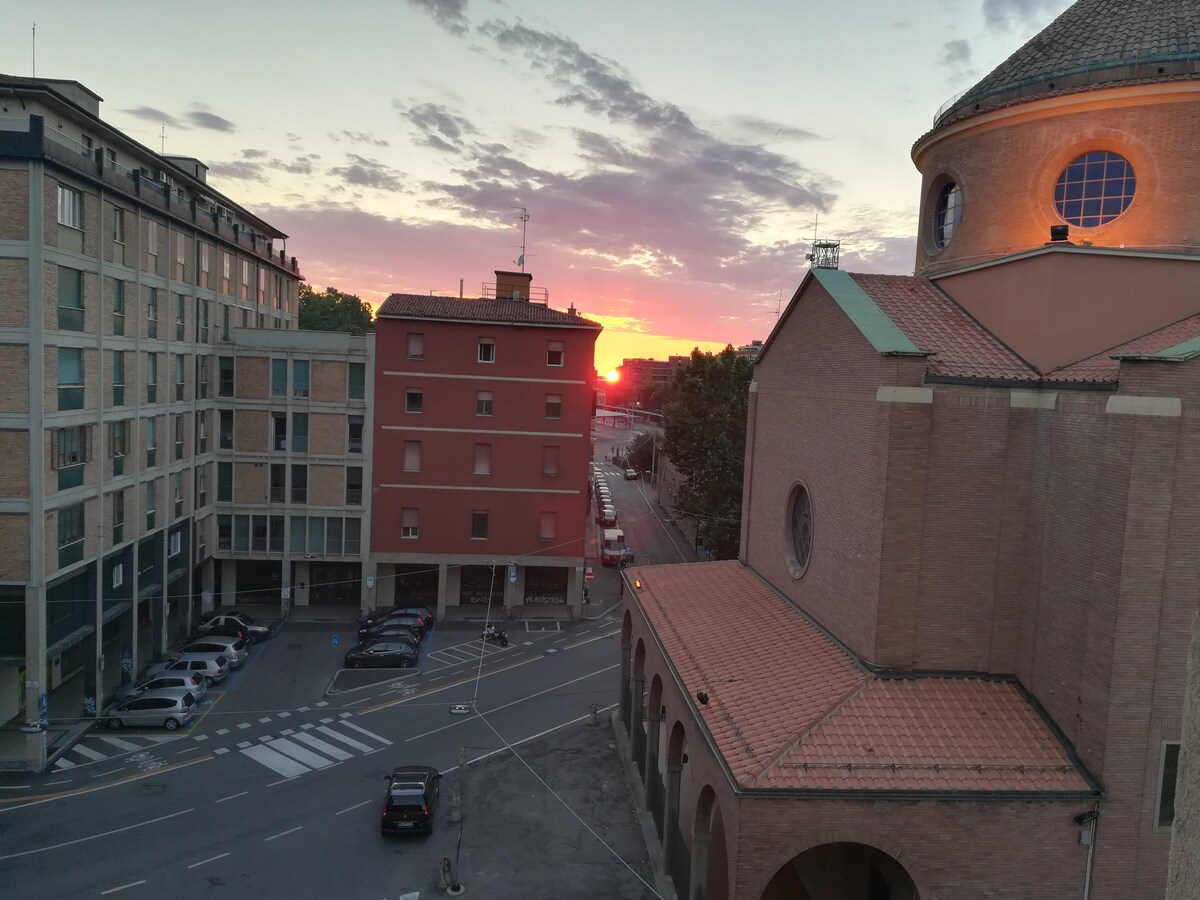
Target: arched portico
675	851
844	870
655	786
710	859
637	705
626	649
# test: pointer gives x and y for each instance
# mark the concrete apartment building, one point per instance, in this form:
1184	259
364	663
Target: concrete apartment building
125	277
482	437
968	566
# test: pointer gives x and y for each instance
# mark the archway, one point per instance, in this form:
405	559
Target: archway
841	871
626	648
675	851
637	703
655	786
710	859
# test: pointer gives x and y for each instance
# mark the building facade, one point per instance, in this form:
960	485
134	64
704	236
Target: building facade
482	436
967	562
124	276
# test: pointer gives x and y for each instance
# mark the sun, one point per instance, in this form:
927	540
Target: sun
613	376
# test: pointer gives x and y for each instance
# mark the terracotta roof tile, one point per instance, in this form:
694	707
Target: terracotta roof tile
520	312
1103	368
798	712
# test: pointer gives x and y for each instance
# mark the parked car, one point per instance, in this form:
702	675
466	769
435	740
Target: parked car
213	666
395	634
192	682
411	800
234	624
167	708
381	655
372	619
607	516
402	620
233	649
631	474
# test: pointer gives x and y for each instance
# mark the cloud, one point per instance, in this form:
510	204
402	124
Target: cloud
368	173
357	137
765	128
438	126
956	53
237	169
150	114
203	119
1001	15
450	15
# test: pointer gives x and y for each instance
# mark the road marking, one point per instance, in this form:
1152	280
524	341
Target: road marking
23	802
244	744
243	725
298	753
265	719
232	797
85	750
283	715
348	741
123	887
274	761
355	806
357	702
222	731
109	772
328	749
210	859
199	737
308	726
369	734
92	837
188	750
221	750
64	781
551	650
288	732
323	703
282	833
20	787
327	720
63	764
264	738
343	716
120	744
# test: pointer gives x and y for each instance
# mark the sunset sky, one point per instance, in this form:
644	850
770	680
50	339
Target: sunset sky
672	155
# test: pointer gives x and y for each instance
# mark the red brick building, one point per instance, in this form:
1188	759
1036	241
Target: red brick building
951	658
482	434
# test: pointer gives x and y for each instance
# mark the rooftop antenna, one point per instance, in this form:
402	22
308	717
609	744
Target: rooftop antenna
34	74
824	253
524	217
779	303
162	139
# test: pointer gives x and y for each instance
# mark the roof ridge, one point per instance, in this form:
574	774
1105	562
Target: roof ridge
995	337
1107	352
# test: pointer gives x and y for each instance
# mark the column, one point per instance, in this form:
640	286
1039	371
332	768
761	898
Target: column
93	675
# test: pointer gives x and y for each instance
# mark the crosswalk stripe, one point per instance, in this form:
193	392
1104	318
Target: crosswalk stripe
298	753
369	734
85	750
328	749
63	764
277	762
119	744
348	741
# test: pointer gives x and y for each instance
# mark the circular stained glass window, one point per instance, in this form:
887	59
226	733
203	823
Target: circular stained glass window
1094	189
948	215
801	527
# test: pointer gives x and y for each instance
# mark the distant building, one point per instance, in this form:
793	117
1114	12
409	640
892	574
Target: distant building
482	436
750	350
968	569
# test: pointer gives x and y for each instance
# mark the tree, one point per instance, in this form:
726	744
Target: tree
705	422
331	310
639	452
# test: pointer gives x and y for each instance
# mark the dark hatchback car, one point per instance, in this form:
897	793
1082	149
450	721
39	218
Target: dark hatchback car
410	801
382	655
393	634
422	612
412	623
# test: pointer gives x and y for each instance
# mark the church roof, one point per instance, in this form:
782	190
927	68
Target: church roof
1094	43
801	713
514	312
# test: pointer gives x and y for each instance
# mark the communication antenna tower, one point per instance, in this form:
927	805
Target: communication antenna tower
524	217
823	253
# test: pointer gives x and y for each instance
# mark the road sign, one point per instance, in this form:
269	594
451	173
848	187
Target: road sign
334	640
588	574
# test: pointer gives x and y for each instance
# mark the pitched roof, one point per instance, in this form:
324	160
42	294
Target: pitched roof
799	712
1094	43
1176	342
516	312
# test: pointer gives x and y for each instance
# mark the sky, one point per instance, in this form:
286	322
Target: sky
675	159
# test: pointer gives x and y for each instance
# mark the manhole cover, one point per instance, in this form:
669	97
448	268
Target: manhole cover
295	646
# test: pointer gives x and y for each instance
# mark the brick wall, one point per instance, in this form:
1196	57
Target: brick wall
250	482
328	379
14	379
251	377
251	430
14	450
14	286
326	486
327	433
14	546
14	205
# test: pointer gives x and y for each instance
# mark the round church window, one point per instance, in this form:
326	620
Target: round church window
1094	189
800	527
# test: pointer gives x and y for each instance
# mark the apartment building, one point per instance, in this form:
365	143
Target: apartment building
124	276
482	437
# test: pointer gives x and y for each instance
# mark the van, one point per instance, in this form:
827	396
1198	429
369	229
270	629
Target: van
613	551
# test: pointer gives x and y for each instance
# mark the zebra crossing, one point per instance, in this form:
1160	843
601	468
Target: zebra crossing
312	746
96	747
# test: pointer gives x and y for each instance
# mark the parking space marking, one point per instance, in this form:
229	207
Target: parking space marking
276	762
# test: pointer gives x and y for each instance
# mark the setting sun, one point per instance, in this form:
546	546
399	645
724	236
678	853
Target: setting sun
613	376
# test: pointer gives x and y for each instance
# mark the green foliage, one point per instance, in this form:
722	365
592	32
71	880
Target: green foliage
331	310
705	421
639	452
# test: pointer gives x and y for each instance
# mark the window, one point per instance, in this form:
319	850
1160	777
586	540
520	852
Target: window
244	289
180	255
151	504
180	430
416	345
224	532
70	207
174	544
180	375
409	523
177	496
201	321
201	491
70	378
152	312
354	435
1094	189
1168	775
278	377
483	459
151	441
412	456
71	450
554	406
118	376
261	274
118	574
224	321
300	378
483	403
202	377
70	299
152	238
479	525
118	307
278	477
202	431
554	353
118	518
299	432
801	529
118	225
549	460
225	376
547	525
299	484
487	350
205	265
225	482
948	215
357	381
354	485
151	377
413	400
225	276
70	534
180	317
118	446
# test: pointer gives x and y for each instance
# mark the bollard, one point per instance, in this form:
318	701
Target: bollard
595	714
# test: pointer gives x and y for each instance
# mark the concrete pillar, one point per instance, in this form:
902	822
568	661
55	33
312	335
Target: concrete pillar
127	640
370	586
93	675
228	582
158	624
302	591
448	586
514	591
286	591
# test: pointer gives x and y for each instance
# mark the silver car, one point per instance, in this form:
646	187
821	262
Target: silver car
213	666
233	649
167	708
193	682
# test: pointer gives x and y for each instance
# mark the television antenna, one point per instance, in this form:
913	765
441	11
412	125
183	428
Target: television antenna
524	217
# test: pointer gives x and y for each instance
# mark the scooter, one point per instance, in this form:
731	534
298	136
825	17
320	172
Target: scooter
499	637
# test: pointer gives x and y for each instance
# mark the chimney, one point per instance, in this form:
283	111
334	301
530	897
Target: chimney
513	285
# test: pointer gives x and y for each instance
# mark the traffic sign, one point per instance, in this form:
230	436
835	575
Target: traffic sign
588	575
334	640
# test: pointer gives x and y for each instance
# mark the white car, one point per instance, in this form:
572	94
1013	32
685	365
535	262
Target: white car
213	666
233	649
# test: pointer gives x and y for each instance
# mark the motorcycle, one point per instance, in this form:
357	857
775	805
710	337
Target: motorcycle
498	637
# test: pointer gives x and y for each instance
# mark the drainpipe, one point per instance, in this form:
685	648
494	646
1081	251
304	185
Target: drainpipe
1087	878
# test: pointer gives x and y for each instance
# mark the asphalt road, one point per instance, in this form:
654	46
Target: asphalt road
275	792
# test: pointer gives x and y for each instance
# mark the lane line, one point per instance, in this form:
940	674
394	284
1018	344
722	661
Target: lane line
52	783
92	837
109	772
123	887
276	762
232	797
188	750
210	859
355	806
282	833
15	787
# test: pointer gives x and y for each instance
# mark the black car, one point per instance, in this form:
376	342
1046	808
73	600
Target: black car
393	634
382	655
408	805
412	623
379	615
